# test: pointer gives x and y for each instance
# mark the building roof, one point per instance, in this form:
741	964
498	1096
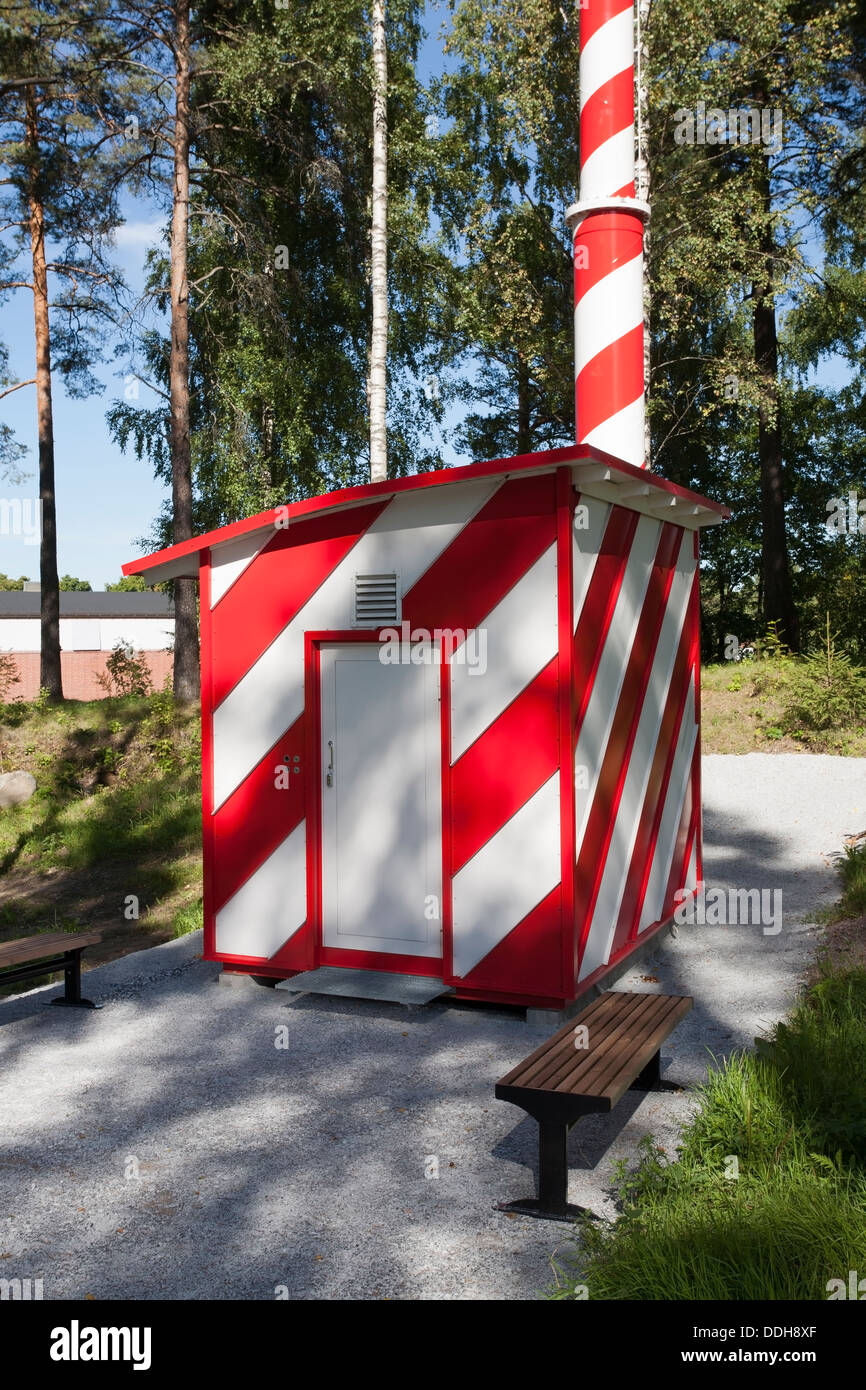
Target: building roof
595	473
74	604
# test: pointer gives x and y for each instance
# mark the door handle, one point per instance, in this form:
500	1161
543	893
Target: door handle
330	777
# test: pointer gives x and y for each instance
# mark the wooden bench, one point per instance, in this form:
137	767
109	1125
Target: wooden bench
611	1047
29	956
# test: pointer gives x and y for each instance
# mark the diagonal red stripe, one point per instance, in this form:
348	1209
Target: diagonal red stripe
604	241
685	834
593	16
592	853
529	958
515	756
608	111
492	552
274	588
598	608
610	382
258	816
653	803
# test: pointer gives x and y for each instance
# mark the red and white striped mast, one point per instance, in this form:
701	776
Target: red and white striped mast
607	225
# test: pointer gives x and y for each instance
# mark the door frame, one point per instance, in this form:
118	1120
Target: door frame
433	966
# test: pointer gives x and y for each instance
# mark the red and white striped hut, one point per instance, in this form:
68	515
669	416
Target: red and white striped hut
451	722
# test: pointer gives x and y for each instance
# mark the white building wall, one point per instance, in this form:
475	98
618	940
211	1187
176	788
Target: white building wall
89	634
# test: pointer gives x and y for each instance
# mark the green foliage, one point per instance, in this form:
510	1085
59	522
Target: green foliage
819	1056
71	585
826	693
117	778
128	584
188	919
852	868
791	1215
9	676
126	672
278	263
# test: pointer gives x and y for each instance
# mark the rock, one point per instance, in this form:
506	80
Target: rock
16	788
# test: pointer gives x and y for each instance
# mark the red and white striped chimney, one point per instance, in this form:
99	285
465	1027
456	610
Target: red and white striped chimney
607	225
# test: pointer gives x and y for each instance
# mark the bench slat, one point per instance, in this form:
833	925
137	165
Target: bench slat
596	1071
562	1056
25	948
592	1016
615	1082
625	1032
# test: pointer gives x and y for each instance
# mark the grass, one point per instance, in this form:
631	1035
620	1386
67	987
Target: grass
115	778
852	867
767	1196
112	836
750	707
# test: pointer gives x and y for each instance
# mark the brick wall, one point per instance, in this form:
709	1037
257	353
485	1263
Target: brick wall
79	671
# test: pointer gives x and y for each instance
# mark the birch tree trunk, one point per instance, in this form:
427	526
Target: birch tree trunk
642	171
777	590
50	676
377	377
186	678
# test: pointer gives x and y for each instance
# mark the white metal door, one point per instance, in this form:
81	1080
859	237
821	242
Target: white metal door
381	803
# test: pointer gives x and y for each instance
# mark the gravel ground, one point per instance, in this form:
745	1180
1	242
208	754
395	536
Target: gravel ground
164	1147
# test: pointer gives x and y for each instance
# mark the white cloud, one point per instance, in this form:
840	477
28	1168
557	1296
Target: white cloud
138	233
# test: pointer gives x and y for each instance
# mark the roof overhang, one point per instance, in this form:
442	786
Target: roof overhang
594	474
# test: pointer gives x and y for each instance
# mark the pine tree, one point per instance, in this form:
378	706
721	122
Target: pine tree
58	86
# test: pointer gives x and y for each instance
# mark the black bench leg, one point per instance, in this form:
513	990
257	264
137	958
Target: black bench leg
552	1203
71	996
650	1078
553	1168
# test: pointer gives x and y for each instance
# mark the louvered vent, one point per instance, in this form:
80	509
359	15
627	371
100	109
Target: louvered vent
377	602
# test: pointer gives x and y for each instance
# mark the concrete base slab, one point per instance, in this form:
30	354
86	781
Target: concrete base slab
366	984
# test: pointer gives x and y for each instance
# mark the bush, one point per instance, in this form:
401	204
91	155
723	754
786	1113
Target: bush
126	672
853	870
8	674
826	693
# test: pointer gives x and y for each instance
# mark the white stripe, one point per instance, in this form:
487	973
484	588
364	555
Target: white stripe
691	882
521	638
229	561
609	52
600	711
507	878
270	907
608	311
670	821
407	536
622	435
586	544
609	901
609	168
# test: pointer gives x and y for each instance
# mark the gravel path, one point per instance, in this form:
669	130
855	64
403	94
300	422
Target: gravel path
164	1147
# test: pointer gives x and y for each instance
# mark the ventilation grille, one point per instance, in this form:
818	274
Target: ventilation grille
377	601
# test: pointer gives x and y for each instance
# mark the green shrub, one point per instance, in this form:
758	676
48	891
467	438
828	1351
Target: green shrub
826	694
852	867
8	675
126	672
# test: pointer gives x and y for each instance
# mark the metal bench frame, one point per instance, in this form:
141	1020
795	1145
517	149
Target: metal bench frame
556	1111
69	962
